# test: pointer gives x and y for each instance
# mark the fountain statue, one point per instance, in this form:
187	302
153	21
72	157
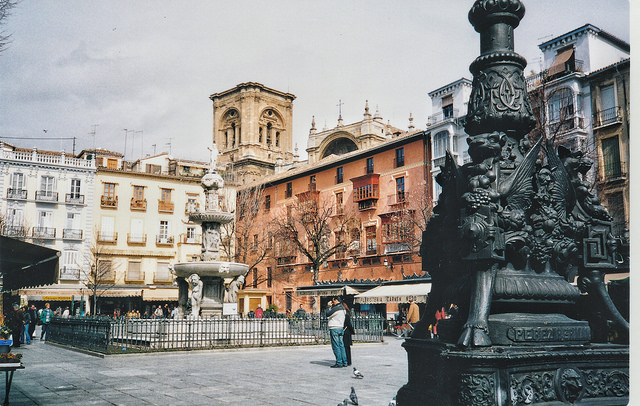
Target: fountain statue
206	277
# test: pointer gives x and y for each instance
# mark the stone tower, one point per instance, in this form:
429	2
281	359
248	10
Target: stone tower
252	127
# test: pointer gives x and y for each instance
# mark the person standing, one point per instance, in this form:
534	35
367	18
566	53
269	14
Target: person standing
15	323
413	316
259	312
33	312
349	331
45	318
335	322
26	322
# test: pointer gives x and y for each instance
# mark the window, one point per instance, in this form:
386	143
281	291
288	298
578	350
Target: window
440	144
269	276
45	219
163	232
137	231
289	191
399	157
105	271
17	181
561	105
255	278
133	273
339	203
260	135
608	109
47	186
267	202
165	195
112	163
312	182
191	235
615	206
162	272
109	198
372	247
447	107
369	165
72	227
611	157
400	189
107	229
269	134
192	204
138	193
277	138
75	188
339	175
14	223
154	169
69	265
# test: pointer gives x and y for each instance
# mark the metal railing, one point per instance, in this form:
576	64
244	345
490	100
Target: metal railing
122	335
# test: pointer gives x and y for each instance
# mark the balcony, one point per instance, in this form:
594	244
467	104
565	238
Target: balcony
614	171
109	201
166	241
190	207
134	277
71	234
443	116
397	199
139	204
195	239
395	247
74	198
44	233
165	207
19	194
15	231
46	196
366	190
607	117
136	239
70	272
107	237
372	248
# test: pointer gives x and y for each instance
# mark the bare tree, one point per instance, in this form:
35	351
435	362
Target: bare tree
306	226
252	240
5	11
100	275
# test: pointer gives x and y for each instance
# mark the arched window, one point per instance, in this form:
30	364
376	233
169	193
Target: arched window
231	128
260	135
269	134
440	144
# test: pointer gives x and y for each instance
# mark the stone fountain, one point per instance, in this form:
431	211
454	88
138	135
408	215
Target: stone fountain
205	278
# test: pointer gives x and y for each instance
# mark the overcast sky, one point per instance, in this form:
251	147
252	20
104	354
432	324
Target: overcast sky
150	66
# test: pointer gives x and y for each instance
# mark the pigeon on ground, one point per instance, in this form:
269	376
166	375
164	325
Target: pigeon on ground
393	402
344	403
353	396
357	374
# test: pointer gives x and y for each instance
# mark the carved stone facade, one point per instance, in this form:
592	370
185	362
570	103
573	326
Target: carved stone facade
252	127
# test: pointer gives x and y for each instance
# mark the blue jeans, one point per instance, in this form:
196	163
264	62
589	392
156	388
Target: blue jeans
26	337
45	331
337	345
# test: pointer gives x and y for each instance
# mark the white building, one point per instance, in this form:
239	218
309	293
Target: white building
47	199
446	126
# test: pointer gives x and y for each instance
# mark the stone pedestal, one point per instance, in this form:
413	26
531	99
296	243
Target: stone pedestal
445	375
212	296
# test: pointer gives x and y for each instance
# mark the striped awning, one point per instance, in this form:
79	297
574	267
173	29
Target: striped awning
327	291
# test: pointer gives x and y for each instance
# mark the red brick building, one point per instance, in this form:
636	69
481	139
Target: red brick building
382	189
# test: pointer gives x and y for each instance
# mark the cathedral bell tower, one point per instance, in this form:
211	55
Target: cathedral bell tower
252	128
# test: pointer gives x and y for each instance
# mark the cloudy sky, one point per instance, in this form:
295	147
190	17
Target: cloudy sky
150	66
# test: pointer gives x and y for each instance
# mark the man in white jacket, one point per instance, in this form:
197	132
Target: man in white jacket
335	323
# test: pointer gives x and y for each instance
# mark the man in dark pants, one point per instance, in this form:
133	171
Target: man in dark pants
33	312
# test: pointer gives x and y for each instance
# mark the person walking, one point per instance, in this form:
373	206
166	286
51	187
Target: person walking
413	316
349	331
33	312
335	322
26	322
45	318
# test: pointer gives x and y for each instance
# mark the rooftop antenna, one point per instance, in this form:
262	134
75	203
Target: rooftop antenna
169	144
141	132
93	134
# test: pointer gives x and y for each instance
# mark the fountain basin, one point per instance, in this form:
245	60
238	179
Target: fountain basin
211	217
219	269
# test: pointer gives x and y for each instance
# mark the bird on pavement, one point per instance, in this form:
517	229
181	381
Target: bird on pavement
353	396
343	403
357	374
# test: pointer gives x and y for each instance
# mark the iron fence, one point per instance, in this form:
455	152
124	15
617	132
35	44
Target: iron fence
122	335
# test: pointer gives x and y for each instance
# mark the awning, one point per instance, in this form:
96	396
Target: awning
105	293
27	265
160	294
328	291
558	66
397	293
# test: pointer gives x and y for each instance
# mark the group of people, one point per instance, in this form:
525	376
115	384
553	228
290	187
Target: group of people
341	331
22	322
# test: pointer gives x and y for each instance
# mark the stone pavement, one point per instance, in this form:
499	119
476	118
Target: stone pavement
296	375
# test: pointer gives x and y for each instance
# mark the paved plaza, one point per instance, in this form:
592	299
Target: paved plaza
296	375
